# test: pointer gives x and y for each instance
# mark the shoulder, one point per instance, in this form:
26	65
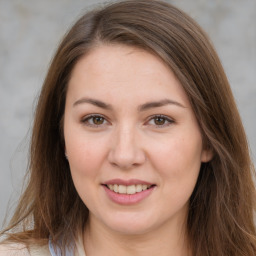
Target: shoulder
11	249
18	249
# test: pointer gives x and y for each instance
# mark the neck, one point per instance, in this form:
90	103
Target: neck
100	240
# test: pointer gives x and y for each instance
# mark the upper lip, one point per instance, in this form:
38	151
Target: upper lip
127	182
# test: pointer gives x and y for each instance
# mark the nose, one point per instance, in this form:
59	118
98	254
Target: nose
125	151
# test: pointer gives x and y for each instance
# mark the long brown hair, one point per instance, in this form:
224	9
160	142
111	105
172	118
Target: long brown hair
220	220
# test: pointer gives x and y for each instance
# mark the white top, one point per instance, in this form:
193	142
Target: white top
15	249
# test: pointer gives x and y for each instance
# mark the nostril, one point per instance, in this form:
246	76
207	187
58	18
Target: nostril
125	159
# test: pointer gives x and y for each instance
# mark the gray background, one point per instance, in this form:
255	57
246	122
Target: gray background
30	31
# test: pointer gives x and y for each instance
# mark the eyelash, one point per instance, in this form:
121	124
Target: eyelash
87	119
164	118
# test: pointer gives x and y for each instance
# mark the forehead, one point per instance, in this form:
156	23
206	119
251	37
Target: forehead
124	70
110	58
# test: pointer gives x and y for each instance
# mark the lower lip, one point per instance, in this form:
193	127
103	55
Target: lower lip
125	199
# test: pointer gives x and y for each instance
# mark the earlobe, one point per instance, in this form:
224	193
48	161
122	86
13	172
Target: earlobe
207	155
66	155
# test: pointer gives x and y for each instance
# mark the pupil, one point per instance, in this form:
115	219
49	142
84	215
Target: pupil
98	120
159	120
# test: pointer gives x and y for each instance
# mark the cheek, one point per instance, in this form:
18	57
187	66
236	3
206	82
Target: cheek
178	156
85	153
178	164
85	165
84	158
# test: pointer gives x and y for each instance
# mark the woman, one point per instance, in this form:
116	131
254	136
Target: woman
137	146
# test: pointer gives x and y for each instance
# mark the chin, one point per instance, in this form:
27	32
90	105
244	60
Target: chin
130	225
130	230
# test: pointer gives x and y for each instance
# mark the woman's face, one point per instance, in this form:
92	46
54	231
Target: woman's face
132	140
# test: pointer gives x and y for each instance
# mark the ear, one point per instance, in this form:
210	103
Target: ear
65	152
207	155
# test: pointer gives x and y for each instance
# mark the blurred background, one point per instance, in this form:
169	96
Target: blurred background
30	32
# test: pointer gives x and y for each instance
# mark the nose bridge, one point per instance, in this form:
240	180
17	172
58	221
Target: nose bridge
126	150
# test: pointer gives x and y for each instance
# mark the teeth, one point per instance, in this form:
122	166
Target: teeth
138	188
130	190
122	189
116	188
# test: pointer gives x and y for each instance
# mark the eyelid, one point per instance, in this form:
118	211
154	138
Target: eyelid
85	119
167	118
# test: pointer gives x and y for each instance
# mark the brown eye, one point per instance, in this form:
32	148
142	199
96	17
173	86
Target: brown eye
94	121
159	120
98	120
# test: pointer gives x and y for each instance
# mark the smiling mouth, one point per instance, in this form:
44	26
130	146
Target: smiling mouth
128	190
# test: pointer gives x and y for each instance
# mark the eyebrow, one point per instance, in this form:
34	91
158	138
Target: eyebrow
94	102
157	104
143	107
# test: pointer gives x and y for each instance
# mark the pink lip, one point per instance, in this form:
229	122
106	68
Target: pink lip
125	199
127	182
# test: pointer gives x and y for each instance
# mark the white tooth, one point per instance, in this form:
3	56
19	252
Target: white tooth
138	188
111	187
144	187
116	188
131	190
122	189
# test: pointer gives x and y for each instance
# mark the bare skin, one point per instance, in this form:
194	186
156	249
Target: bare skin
128	119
